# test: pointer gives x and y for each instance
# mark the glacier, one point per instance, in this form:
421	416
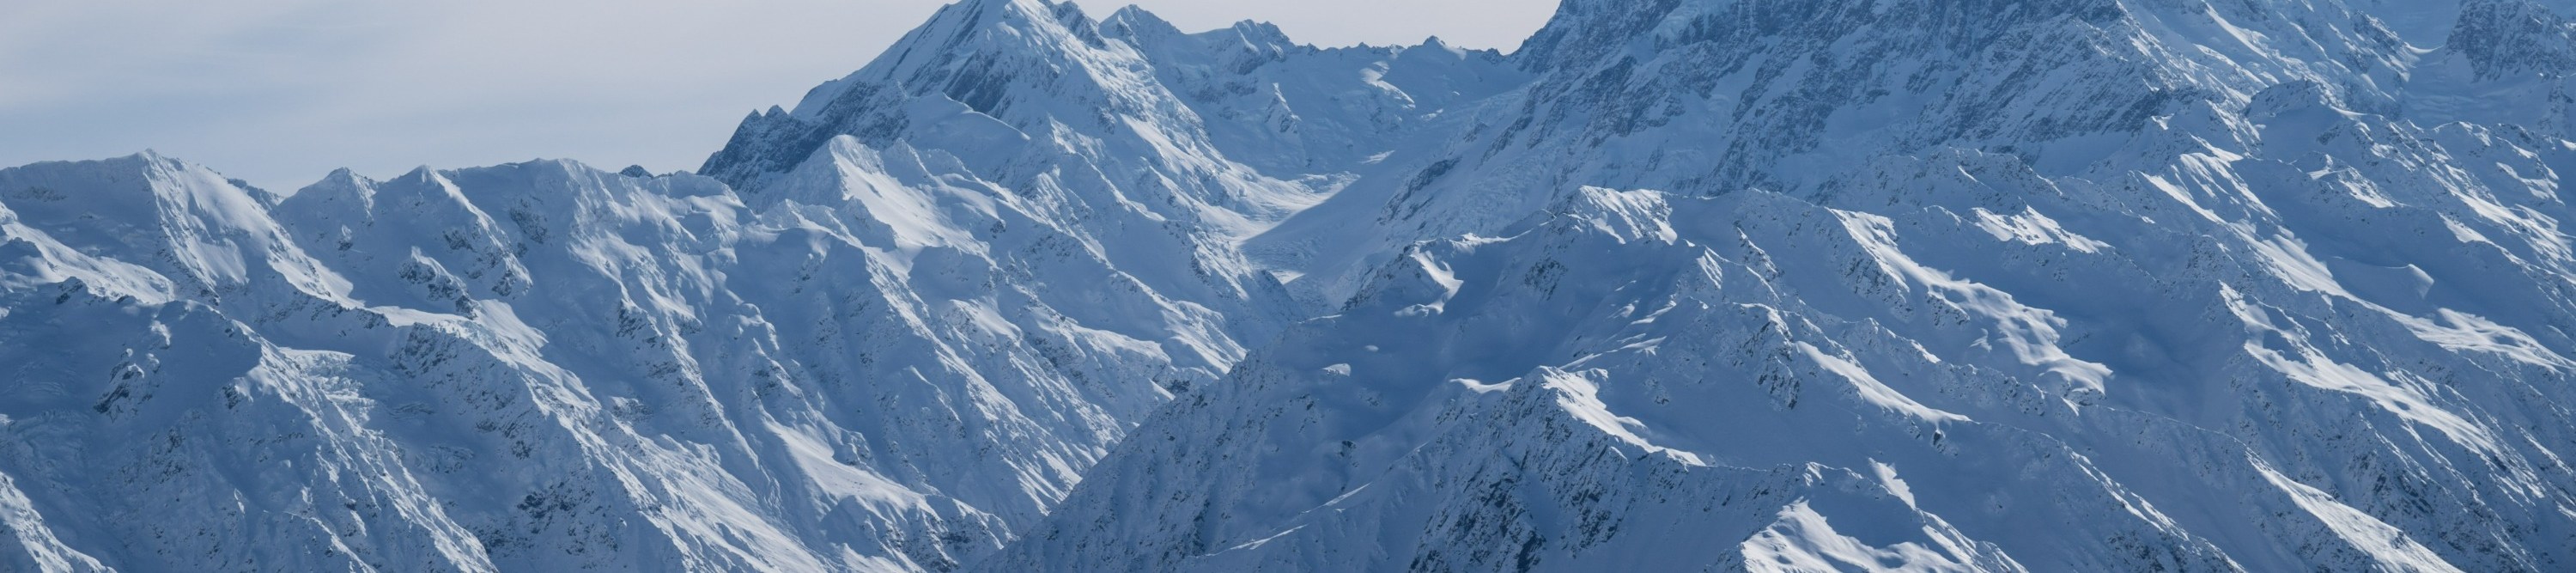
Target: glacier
1738	285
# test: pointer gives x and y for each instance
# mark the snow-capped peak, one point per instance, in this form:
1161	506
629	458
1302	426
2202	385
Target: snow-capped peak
1761	285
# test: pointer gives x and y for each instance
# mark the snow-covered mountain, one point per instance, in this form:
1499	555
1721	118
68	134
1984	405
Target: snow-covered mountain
1767	285
2082	285
548	367
849	349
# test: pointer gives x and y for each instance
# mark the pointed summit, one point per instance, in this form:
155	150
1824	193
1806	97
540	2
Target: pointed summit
972	26
1136	20
979	54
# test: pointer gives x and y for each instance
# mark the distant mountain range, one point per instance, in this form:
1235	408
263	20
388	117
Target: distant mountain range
1679	285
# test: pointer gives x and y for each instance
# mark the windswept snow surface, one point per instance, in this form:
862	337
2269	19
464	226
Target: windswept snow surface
1743	285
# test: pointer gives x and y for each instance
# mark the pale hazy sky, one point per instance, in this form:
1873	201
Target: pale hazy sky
280	92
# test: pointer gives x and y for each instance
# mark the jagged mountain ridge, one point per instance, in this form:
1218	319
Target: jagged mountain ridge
1707	97
876	353
542	389
2225	288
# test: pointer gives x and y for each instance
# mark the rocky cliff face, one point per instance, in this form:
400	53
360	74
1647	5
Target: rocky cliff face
1769	285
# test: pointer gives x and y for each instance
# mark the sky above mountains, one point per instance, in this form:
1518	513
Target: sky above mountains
279	92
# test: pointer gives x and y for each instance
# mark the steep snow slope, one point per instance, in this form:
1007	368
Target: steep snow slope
2091	285
1035	90
1703	97
1168	146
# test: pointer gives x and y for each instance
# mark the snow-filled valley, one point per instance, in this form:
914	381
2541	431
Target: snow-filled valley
1679	285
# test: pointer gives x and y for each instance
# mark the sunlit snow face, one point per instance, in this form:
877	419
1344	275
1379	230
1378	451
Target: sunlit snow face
282	91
